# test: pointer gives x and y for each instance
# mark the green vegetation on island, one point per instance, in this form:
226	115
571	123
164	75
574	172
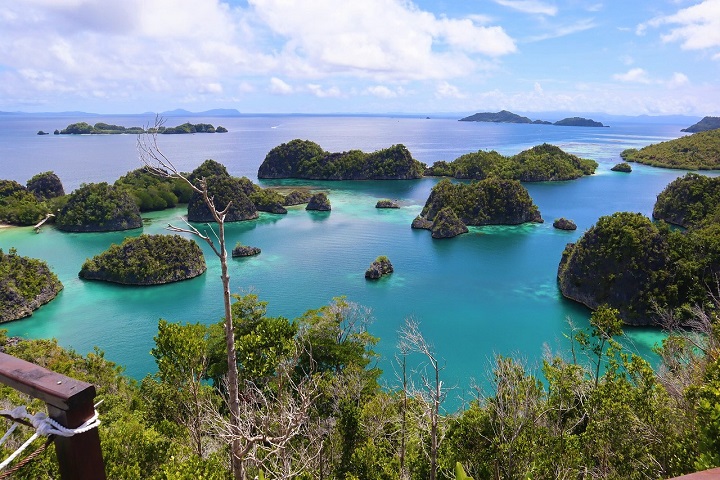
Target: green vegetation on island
386	203
310	385
492	201
146	260
504	116
699	151
688	201
98	207
578	122
45	186
622	167
541	163
241	250
154	192
379	268
25	285
707	123
647	271
307	160
319	202
564	224
101	128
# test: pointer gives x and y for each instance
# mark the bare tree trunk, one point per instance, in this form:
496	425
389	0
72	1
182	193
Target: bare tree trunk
153	158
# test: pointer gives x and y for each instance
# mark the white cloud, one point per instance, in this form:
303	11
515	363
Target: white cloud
320	92
678	80
696	27
445	90
634	75
640	75
529	6
279	87
212	87
381	91
564	30
381	39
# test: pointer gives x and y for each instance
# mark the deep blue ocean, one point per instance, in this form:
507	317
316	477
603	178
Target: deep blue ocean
492	291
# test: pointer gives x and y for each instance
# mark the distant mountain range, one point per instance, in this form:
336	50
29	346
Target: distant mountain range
504	116
216	112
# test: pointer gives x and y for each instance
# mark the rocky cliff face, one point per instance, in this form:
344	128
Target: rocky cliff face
45	186
380	267
25	285
319	202
619	262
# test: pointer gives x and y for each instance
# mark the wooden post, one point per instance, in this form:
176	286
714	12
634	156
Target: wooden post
70	403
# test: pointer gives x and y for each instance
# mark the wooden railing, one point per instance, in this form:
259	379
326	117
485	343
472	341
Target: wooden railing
69	402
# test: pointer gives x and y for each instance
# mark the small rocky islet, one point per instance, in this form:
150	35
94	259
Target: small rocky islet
380	267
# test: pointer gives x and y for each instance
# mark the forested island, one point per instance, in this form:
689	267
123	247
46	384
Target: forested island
146	260
25	285
504	116
699	151
307	160
541	163
648	271
450	208
707	123
98	207
27	205
101	128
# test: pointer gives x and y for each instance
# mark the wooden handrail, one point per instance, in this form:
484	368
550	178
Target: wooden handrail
70	403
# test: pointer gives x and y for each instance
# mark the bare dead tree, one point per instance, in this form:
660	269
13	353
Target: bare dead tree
156	162
270	420
431	392
401	361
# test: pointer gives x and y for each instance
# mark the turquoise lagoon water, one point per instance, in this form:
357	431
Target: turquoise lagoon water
492	291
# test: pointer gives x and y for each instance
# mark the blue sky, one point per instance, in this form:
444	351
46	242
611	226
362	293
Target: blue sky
361	56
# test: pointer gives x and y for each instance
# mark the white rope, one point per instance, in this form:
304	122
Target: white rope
44	426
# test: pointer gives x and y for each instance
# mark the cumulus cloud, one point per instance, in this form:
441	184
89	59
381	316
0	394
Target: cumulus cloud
634	75
381	91
529	6
280	87
320	92
378	39
696	27
445	90
640	75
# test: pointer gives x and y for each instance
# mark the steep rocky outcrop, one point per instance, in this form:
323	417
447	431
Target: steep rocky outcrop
296	197
319	202
564	224
147	260
98	207
245	251
386	204
45	186
622	167
224	189
25	285
447	224
688	200
307	160
380	267
621	261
